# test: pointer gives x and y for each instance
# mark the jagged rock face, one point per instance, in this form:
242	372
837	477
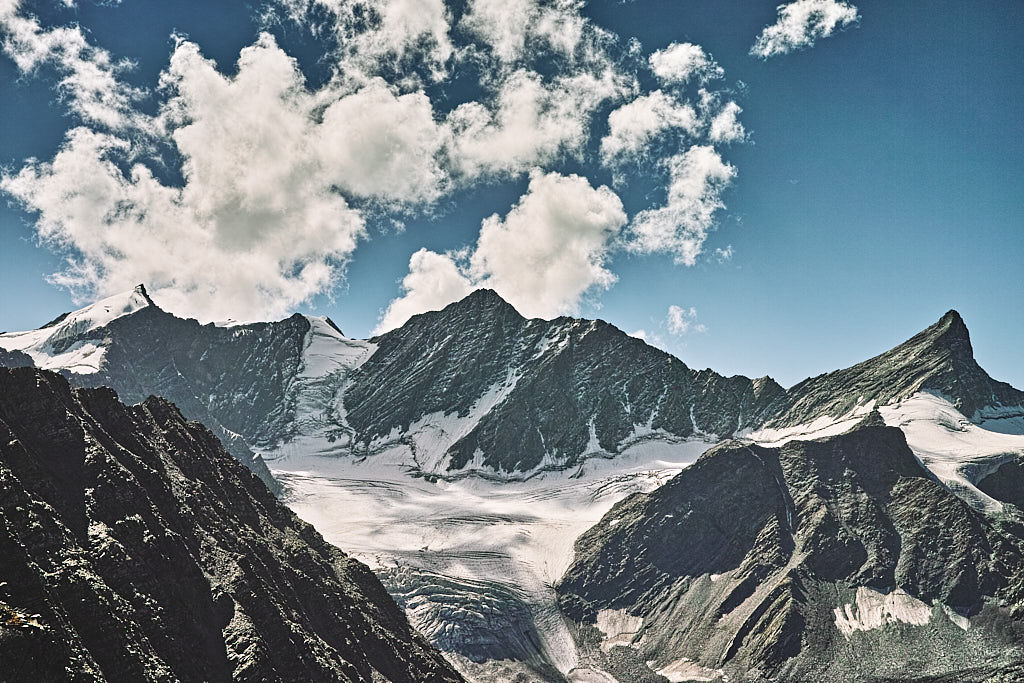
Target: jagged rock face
134	548
560	383
939	359
835	559
232	379
238	375
556	385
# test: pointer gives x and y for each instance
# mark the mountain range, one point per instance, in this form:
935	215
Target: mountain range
533	493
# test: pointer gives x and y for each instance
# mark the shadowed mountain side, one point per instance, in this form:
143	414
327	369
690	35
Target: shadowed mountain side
134	548
565	385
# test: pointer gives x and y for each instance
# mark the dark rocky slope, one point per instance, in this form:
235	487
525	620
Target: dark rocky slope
758	563
15	359
134	548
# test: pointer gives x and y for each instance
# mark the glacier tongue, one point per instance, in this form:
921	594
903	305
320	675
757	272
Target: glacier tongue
507	537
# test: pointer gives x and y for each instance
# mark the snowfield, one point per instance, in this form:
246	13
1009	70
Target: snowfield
483	528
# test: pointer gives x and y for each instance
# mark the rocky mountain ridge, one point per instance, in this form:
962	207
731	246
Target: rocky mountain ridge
476	387
939	359
134	548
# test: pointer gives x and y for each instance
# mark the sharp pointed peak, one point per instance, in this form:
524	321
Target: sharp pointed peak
484	299
140	289
485	294
952	315
952	320
949	332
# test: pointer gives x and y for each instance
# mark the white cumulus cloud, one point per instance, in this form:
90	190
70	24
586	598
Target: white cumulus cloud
801	23
258	225
542	257
633	126
725	126
680	62
434	281
698	177
531	122
244	192
375	34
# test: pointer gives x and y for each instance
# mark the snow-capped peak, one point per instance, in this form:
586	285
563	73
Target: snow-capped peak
51	347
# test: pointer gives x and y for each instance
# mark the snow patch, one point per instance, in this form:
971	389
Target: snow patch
433	435
958	452
873	610
618	626
686	670
818	428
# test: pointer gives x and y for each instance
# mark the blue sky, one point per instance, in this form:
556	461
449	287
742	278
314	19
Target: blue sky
875	185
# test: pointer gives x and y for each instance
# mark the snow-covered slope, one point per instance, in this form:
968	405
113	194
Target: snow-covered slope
961	454
71	342
958	452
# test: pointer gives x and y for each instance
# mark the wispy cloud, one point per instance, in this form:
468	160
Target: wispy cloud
800	24
88	74
698	177
681	321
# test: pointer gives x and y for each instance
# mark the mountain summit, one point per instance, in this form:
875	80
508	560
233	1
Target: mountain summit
939	360
831	560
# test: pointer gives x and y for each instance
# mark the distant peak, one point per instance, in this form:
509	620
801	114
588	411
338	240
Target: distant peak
485	295
952	320
952	315
486	300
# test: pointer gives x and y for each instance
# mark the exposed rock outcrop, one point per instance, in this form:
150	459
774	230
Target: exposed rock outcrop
133	547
